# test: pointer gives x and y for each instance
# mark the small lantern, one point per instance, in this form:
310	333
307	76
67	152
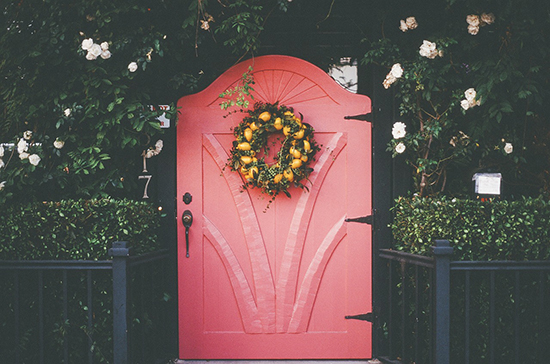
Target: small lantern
487	185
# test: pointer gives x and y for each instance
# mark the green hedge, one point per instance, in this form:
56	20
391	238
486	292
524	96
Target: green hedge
493	230
76	229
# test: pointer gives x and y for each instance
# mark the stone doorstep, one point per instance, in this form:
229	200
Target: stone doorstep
372	361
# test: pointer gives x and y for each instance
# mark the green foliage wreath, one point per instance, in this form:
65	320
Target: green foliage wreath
298	149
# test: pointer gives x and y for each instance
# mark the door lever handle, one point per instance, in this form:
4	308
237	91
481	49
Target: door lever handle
187	220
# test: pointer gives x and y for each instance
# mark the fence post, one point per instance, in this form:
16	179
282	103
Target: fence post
442	252
120	253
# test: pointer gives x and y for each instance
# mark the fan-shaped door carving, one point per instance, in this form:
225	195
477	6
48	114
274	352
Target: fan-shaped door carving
275	283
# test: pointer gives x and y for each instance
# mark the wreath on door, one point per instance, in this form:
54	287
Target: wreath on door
251	146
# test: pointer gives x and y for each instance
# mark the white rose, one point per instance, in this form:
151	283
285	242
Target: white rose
397	70
400	148
23	155
104	46
508	148
67	112
403	26
389	80
411	22
488	18
398	130
2	185
22	146
58	144
428	49
465	104
95	50
1	151
105	54
473	20
87	44
90	56
470	94
34	159
27	135
473	29
132	67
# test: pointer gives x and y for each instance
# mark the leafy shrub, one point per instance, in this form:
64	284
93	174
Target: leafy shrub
76	229
493	230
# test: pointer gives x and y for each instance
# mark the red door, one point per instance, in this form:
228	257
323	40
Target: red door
275	283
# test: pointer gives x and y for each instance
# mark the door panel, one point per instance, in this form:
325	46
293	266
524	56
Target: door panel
274	281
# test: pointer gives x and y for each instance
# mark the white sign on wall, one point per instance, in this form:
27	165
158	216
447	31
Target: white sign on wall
163	120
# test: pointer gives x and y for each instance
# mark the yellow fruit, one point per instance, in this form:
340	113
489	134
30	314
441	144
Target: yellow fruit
244	170
295	153
296	163
246	159
299	134
253	126
265	116
288	175
243	146
278	124
248	134
286	130
288	113
307	146
278	178
304	158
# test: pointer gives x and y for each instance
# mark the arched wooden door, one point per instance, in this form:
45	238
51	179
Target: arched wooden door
275	283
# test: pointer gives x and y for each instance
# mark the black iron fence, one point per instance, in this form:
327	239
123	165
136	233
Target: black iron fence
442	311
114	311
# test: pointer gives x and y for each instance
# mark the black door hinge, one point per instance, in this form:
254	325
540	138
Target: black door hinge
362	117
362	317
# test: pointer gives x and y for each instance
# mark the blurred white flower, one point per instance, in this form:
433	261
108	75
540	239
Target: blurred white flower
473	29
398	130
465	104
34	159
508	148
67	112
95	49
473	20
408	24
400	148
23	155
2	164
58	144
104	46
105	54
1	151
487	18
150	153
87	44
389	80
428	49
132	67
27	135
90	56
2	185
158	145
22	146
411	22
470	94
205	25
397	70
